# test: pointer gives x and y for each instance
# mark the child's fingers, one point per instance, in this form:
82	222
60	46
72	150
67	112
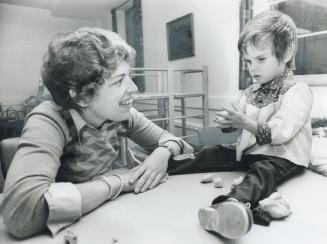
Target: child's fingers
225	123
217	120
220	109
236	107
222	114
218	125
220	121
229	111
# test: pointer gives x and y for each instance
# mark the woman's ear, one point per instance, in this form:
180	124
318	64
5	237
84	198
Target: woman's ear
80	102
72	93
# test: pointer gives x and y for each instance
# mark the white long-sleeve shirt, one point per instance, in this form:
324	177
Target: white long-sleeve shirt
283	107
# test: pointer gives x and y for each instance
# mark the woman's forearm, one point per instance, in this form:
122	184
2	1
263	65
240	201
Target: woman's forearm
95	193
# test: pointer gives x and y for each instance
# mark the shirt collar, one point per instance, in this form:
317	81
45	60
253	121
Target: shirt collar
80	123
285	77
78	120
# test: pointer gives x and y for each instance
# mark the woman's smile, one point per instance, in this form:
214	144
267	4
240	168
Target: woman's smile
127	102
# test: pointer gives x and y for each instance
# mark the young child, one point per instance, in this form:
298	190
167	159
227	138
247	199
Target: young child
63	165
274	116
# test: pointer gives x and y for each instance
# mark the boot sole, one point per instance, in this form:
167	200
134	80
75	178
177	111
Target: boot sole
230	220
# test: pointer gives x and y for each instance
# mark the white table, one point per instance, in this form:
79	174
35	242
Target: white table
168	215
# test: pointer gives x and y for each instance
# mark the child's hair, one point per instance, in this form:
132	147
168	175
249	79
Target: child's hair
77	61
275	25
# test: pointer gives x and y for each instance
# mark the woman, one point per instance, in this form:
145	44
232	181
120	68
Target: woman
63	167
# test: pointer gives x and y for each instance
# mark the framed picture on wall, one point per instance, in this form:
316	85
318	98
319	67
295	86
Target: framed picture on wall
180	37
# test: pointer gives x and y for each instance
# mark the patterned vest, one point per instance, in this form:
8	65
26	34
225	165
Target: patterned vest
91	152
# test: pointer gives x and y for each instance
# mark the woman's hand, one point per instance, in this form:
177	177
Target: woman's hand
236	118
152	171
126	175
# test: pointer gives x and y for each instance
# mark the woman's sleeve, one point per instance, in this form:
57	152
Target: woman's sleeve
147	134
32	200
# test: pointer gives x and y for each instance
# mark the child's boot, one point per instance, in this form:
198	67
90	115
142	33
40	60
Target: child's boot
231	219
261	217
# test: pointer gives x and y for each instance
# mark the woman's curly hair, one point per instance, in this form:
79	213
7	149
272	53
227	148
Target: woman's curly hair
77	60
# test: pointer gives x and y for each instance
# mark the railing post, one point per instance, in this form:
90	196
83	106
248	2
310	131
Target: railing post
205	96
171	106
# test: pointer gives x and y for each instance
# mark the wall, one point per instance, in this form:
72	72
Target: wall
25	33
216	30
121	28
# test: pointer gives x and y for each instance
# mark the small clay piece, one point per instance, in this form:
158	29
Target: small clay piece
70	237
207	178
218	182
237	181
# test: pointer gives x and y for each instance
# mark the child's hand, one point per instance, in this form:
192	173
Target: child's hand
220	118
226	118
236	118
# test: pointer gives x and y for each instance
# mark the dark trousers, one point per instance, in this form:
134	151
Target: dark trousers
264	173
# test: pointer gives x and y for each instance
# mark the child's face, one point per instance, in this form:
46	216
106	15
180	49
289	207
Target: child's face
262	63
114	99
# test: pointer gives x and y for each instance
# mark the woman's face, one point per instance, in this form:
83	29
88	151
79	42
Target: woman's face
262	62
113	100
